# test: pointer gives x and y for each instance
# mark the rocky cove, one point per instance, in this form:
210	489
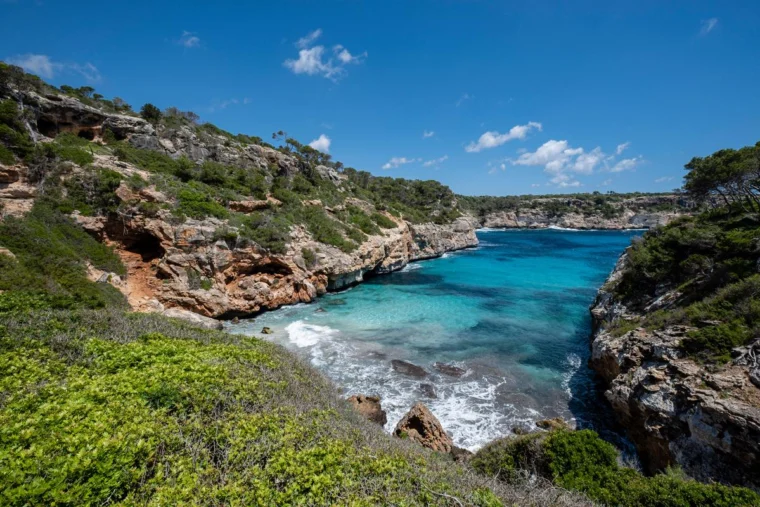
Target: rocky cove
678	411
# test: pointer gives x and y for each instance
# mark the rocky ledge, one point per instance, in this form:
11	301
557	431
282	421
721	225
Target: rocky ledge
187	265
636	213
702	418
193	265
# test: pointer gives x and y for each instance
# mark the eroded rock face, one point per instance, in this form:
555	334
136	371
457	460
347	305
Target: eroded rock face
675	410
634	216
192	265
369	407
421	426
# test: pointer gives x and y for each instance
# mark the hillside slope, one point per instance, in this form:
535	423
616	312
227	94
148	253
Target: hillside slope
219	224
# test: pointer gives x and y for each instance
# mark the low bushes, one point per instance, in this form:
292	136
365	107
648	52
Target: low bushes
49	266
102	407
581	461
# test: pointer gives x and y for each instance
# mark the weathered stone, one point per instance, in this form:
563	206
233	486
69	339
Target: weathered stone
406	368
421	426
461	455
553	424
193	318
449	369
369	407
677	411
266	330
428	390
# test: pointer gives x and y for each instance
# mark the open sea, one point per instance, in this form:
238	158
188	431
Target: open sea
513	313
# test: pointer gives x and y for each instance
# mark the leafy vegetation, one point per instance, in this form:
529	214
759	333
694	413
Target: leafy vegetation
581	461
49	268
102	407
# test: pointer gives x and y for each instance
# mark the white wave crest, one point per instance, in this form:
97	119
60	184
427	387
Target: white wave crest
302	334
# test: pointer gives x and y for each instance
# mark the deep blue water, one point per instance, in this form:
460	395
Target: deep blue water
513	313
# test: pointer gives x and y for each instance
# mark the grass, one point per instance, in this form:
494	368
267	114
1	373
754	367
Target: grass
104	407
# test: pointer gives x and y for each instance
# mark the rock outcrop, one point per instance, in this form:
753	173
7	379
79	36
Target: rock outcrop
200	265
637	213
369	407
421	426
705	419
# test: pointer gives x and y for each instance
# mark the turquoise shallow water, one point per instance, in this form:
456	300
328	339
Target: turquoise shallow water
512	312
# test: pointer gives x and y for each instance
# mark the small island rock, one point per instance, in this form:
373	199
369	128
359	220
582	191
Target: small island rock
421	426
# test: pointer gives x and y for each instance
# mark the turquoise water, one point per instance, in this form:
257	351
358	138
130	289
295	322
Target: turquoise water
513	313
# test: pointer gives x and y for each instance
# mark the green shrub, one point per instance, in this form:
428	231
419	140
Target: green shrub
269	231
581	461
383	221
106	408
49	269
309	257
199	205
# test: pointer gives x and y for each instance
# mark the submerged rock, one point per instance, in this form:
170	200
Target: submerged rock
406	368
369	407
428	390
449	369
421	426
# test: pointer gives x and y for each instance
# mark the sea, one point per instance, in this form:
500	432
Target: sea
513	313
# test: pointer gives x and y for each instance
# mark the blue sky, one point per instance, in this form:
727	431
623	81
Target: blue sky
489	97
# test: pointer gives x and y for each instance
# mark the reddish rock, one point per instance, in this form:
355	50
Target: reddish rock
369	407
421	426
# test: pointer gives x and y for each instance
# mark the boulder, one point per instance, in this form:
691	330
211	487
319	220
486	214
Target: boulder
421	426
428	390
460	454
406	368
193	318
369	407
449	369
556	423
266	330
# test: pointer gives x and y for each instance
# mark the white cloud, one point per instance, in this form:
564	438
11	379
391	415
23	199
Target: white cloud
626	164
189	40
663	179
535	185
224	104
607	182
465	97
310	62
395	162
36	64
45	67
586	162
708	25
345	57
306	40
322	143
427	133
435	161
314	61
492	139
622	147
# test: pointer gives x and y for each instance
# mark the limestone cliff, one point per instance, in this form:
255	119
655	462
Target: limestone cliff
642	212
201	264
703	418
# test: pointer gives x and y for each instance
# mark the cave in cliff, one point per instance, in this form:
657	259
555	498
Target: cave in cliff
145	245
